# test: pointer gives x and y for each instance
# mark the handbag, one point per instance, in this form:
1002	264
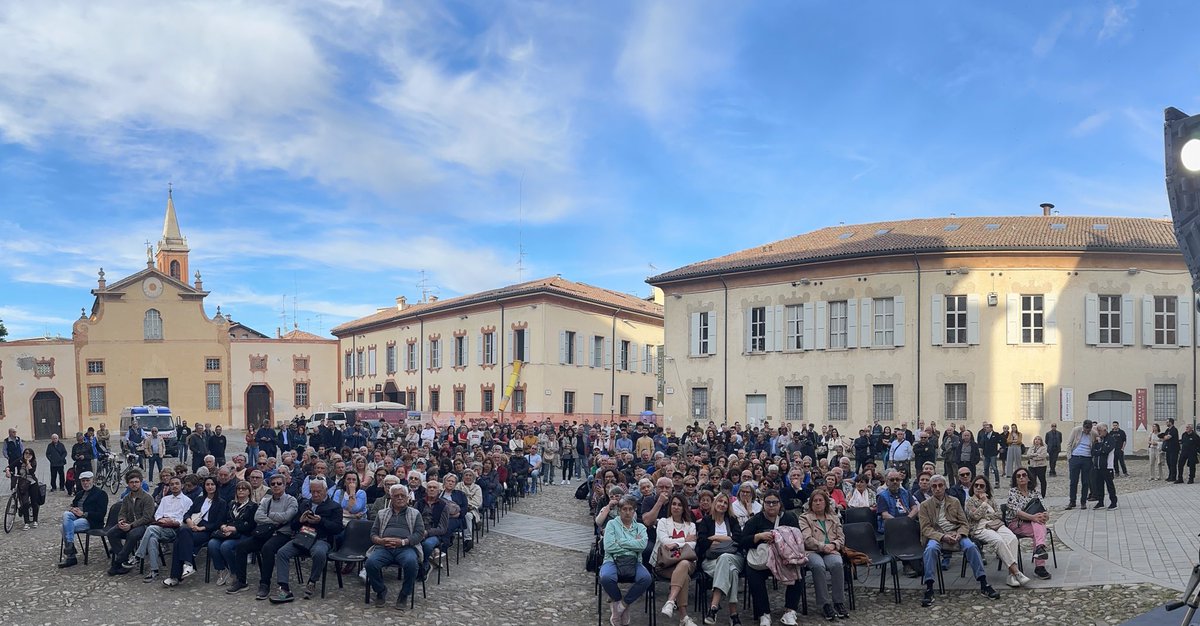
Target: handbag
670	556
757	557
305	539
594	558
263	532
854	557
626	567
1034	507
724	547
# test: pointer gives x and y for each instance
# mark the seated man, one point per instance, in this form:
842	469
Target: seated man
535	468
319	522
167	519
275	512
436	520
943	527
134	517
87	511
397	536
518	474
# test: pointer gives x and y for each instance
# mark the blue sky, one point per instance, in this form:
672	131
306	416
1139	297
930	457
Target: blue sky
326	154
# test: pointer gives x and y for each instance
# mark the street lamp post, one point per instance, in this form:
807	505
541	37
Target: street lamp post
1181	138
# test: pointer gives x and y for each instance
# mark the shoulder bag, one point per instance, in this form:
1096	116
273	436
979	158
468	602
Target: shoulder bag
1034	507
757	556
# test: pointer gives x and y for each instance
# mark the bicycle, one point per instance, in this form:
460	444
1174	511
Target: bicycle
1191	598
13	507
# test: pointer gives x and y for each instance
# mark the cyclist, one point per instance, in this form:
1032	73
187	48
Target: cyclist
28	492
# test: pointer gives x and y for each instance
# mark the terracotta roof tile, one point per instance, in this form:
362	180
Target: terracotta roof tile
943	234
553	285
300	335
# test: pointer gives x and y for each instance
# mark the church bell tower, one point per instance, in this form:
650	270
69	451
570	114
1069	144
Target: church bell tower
172	256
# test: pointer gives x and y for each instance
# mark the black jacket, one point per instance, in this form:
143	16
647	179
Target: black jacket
94	503
705	528
216	446
331	518
244	523
758	524
1172	444
56	454
218	513
989	442
1054	441
1189	443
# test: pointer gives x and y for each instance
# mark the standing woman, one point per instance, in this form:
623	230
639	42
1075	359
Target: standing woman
674	532
720	556
206	515
1156	457
1013	460
966	454
950	442
238	525
566	445
550	448
824	539
1039	458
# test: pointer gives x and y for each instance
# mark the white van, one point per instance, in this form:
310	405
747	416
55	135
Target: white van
148	417
317	419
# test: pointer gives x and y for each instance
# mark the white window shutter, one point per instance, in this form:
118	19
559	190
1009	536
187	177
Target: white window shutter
528	346
780	322
1091	319
898	321
747	327
1051	304
1147	320
591	351
580	349
867	339
466	351
1183	318
937	329
809	321
769	329
608	353
694	334
1127	321
428	354
973	319
852	323
1012	314
633	357
712	332
822	322
562	347
508	348
479	349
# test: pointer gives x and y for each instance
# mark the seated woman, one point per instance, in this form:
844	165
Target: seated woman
720	556
746	506
375	489
624	540
238	525
1026	524
703	506
206	515
986	527
756	533
836	495
862	496
824	539
673	533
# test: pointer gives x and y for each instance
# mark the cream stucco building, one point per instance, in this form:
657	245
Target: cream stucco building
1012	320
149	340
583	352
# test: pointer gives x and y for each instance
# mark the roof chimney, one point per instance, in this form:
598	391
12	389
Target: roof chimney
1046	209
432	299
401	302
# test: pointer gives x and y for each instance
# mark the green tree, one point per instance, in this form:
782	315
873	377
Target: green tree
3	331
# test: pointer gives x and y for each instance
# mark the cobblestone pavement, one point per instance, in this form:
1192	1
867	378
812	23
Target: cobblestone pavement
510	580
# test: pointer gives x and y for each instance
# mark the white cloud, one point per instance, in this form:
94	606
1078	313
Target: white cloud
671	52
1116	18
1091	123
1049	37
23	323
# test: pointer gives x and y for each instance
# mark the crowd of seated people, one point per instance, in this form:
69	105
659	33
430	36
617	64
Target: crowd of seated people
727	504
421	490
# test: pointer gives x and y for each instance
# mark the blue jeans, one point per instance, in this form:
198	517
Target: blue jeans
428	545
252	456
1081	478
608	582
381	557
933	554
221	551
531	487
990	462
290	551
72	525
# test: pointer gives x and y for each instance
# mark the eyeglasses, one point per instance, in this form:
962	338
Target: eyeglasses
981	486
893	480
771	502
262	462
964	474
276	484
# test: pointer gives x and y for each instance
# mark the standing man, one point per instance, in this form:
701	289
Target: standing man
154	448
989	445
87	511
1080	463
1054	447
1189	445
56	455
1104	451
1119	438
900	454
265	438
13	449
182	432
197	445
217	444
1170	448
81	453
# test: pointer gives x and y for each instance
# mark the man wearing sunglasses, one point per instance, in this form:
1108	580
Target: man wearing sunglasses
944	527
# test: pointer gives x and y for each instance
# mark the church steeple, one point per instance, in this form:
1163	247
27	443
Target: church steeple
172	256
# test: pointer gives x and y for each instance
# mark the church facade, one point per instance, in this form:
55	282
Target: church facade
149	340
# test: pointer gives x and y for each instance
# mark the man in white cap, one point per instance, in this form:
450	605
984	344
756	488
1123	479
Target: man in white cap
87	511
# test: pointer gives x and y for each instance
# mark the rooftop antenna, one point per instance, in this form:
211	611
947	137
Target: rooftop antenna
423	285
521	230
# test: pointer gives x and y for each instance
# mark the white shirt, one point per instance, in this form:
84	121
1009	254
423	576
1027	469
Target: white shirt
428	434
173	507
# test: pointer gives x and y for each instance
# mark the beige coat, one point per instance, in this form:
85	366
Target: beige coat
814	538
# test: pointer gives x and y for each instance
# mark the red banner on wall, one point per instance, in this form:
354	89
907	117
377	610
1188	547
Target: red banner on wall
1139	410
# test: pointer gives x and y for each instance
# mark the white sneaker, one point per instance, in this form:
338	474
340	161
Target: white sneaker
789	618
1022	578
687	621
1012	581
26	527
222	578
35	524
765	620
669	608
171	582
362	573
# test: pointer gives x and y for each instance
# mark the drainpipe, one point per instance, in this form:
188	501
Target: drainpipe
917	261
499	356
421	365
612	392
725	354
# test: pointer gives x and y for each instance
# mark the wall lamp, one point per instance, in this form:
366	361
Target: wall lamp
802	281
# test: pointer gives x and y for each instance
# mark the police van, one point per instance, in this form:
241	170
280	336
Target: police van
151	416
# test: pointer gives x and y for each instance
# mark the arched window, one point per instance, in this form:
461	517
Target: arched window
152	325
175	270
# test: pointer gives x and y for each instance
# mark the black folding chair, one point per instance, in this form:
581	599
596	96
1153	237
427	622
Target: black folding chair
860	536
902	540
114	514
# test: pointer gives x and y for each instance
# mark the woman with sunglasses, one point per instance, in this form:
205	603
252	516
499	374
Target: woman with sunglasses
746	506
987	527
1025	524
238	524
